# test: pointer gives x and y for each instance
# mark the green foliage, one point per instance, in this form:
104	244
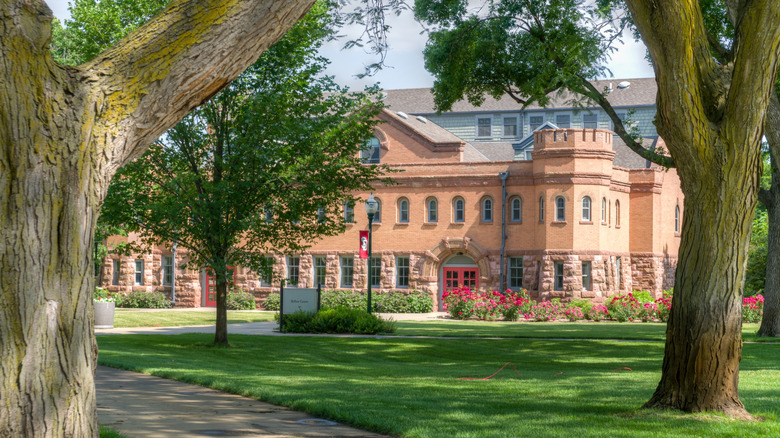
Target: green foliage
338	320
102	296
642	296
139	299
755	278
397	301
584	305
237	299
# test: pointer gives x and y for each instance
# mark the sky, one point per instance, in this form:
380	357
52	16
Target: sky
405	68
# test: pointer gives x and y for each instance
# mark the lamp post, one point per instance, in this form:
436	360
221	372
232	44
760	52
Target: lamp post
371	208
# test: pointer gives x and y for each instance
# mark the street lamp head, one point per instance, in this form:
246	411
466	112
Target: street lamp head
372	206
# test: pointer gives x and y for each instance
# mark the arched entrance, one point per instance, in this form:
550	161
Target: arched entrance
459	271
456	253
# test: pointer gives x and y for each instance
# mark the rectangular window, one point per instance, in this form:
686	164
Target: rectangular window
515	272
167	274
293	270
372	151
319	270
349	212
510	126
376	271
267	275
535	122
618	268
484	127
590	121
139	273
558	275
563	121
347	268
586	278
115	273
402	272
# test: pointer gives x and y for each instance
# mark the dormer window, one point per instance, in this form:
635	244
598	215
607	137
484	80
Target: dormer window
484	127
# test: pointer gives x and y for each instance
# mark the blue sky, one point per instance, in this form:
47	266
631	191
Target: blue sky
405	61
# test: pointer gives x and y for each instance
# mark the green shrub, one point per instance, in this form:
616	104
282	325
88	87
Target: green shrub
138	299
584	304
643	296
332	299
237	299
338	320
397	301
272	302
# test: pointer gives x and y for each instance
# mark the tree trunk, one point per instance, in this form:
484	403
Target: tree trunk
770	322
221	331
63	134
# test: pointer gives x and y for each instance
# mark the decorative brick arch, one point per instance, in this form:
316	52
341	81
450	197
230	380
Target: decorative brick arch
454	246
382	137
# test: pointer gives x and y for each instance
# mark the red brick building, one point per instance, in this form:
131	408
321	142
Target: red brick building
580	216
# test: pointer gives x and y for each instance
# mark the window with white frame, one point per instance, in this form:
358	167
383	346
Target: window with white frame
269	214
563	121
515	273
433	210
115	273
349	212
403	211
558	275
590	121
560	209
322	215
167	270
459	210
586	208
139	273
487	210
604	210
376	271
535	122
320	270
293	270
402	272
484	127
378	214
618	271
347	269
586	277
516	209
541	209
676	219
510	126
266	273
371	151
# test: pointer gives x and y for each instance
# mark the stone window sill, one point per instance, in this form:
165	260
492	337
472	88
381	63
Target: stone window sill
586	222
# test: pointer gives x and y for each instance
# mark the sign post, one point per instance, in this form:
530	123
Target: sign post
293	300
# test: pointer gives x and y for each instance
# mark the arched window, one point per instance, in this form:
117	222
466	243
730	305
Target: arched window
541	209
516	209
371	151
560	209
487	210
617	213
403	211
459	210
378	214
433	210
676	219
586	208
604	210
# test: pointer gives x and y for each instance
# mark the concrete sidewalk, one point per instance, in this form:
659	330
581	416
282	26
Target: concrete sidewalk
142	406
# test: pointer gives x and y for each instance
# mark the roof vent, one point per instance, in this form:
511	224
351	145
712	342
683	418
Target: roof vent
623	85
383	95
402	115
609	90
422	119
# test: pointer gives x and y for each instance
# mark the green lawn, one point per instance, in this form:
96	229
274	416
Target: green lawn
174	318
567	330
410	387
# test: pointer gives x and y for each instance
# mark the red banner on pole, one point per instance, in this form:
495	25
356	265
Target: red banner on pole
364	244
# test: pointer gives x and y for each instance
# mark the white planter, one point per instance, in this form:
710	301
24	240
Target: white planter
104	315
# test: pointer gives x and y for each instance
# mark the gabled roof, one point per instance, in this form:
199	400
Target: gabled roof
422	126
640	92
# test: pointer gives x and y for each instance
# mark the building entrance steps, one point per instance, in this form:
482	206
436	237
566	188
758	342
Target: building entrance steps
138	405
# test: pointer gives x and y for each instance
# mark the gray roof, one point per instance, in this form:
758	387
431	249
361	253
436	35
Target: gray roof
425	127
640	92
472	155
625	157
494	151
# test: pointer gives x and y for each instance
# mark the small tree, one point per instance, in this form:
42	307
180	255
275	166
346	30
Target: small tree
266	165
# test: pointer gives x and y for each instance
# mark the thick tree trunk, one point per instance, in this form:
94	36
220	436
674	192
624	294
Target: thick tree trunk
63	133
221	331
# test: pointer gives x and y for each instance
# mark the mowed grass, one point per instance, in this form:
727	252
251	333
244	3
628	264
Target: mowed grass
559	330
175	318
411	387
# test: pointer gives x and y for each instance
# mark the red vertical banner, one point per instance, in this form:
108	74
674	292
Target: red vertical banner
364	244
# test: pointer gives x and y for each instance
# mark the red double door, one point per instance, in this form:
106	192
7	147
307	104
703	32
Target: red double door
211	285
461	277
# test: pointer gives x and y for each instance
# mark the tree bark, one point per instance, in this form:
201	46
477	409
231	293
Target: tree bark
770	322
711	117
63	133
220	330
